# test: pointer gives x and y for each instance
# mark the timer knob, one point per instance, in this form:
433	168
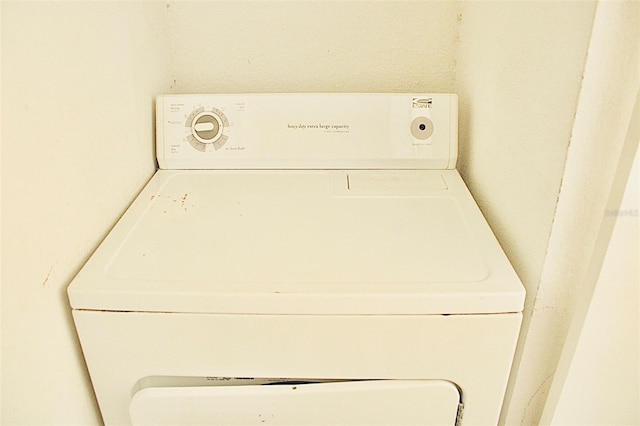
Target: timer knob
207	127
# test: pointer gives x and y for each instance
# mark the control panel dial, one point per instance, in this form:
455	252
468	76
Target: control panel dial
207	128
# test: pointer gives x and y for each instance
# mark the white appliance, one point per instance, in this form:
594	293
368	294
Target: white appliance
301	260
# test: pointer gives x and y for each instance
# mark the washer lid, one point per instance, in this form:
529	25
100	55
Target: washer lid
301	242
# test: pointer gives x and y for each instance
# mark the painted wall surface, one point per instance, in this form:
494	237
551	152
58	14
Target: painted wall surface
313	46
78	81
603	378
604	139
609	87
518	86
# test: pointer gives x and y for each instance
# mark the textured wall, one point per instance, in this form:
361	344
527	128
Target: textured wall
78	81
518	85
604	137
313	46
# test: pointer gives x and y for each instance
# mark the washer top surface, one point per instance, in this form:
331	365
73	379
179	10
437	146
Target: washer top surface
301	242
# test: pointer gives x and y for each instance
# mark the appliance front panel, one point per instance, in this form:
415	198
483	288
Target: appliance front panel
128	352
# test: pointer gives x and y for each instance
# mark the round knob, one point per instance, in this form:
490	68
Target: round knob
207	127
422	128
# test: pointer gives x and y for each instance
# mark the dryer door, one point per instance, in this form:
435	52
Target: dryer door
367	402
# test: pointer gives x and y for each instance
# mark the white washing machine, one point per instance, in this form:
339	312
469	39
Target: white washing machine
301	260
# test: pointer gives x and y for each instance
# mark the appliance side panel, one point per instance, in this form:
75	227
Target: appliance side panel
453	122
160	141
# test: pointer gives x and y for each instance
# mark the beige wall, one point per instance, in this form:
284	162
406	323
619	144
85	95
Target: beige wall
313	46
78	81
519	84
575	283
518	76
606	327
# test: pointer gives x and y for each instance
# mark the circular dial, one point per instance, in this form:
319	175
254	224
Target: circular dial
422	128
207	127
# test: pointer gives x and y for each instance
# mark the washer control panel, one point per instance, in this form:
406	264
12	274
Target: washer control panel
307	131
